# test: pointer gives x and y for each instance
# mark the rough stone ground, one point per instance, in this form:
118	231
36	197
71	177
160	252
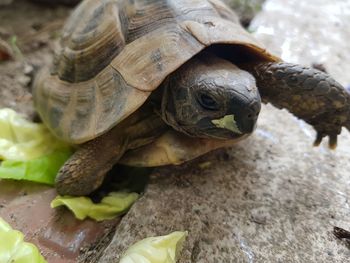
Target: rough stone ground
272	198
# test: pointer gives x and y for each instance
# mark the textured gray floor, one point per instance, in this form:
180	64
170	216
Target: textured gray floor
272	198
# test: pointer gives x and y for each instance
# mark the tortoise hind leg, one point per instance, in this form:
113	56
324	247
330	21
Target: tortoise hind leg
308	93
85	170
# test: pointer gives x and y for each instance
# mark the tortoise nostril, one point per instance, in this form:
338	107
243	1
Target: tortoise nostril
253	113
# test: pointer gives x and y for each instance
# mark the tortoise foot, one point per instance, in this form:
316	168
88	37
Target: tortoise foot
75	180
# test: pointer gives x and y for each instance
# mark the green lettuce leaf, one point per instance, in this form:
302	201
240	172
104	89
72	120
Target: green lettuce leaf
115	204
13	249
40	170
161	249
22	140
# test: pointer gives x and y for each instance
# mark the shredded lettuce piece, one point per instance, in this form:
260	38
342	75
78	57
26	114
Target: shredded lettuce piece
41	170
30	152
115	204
13	248
22	140
161	249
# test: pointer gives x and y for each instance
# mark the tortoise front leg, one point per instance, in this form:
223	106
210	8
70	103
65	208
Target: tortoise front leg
308	93
85	170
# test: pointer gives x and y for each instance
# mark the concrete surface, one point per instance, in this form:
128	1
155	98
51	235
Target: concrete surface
308	32
245	9
272	198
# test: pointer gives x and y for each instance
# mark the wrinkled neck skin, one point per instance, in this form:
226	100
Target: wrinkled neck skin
209	97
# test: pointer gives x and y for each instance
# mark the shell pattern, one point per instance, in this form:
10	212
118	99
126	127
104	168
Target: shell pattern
114	53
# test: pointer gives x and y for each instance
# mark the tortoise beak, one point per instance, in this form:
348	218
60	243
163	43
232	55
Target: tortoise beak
241	117
246	117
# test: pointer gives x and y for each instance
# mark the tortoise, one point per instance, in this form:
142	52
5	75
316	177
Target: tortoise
150	83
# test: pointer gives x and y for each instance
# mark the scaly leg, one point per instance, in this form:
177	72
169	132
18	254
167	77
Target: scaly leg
308	93
85	170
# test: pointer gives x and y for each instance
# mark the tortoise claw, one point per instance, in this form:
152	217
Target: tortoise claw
332	142
318	139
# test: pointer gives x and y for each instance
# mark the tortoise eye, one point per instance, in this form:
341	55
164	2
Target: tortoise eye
208	102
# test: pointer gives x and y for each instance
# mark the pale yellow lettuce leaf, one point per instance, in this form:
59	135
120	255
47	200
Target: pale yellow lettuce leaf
161	249
13	248
115	204
23	140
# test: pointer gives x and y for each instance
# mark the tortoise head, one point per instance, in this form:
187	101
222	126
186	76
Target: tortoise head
210	97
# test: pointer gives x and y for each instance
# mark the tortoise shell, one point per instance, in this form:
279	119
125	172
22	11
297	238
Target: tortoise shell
114	53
